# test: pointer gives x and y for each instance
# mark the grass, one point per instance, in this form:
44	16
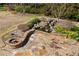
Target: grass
32	22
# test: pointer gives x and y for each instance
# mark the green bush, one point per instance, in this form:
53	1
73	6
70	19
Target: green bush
59	29
75	28
73	33
34	11
72	16
27	9
77	17
19	9
32	22
2	8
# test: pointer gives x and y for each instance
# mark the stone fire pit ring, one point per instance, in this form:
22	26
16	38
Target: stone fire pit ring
14	43
20	42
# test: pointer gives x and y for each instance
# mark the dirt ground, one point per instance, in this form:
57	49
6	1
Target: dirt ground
44	44
8	20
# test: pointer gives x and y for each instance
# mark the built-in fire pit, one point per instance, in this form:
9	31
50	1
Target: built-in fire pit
20	42
13	41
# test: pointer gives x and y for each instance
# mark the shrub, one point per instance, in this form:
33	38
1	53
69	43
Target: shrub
29	25
32	22
72	16
2	8
27	9
73	33
58	29
34	11
77	17
75	28
19	9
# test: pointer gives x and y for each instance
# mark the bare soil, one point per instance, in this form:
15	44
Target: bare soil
7	20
